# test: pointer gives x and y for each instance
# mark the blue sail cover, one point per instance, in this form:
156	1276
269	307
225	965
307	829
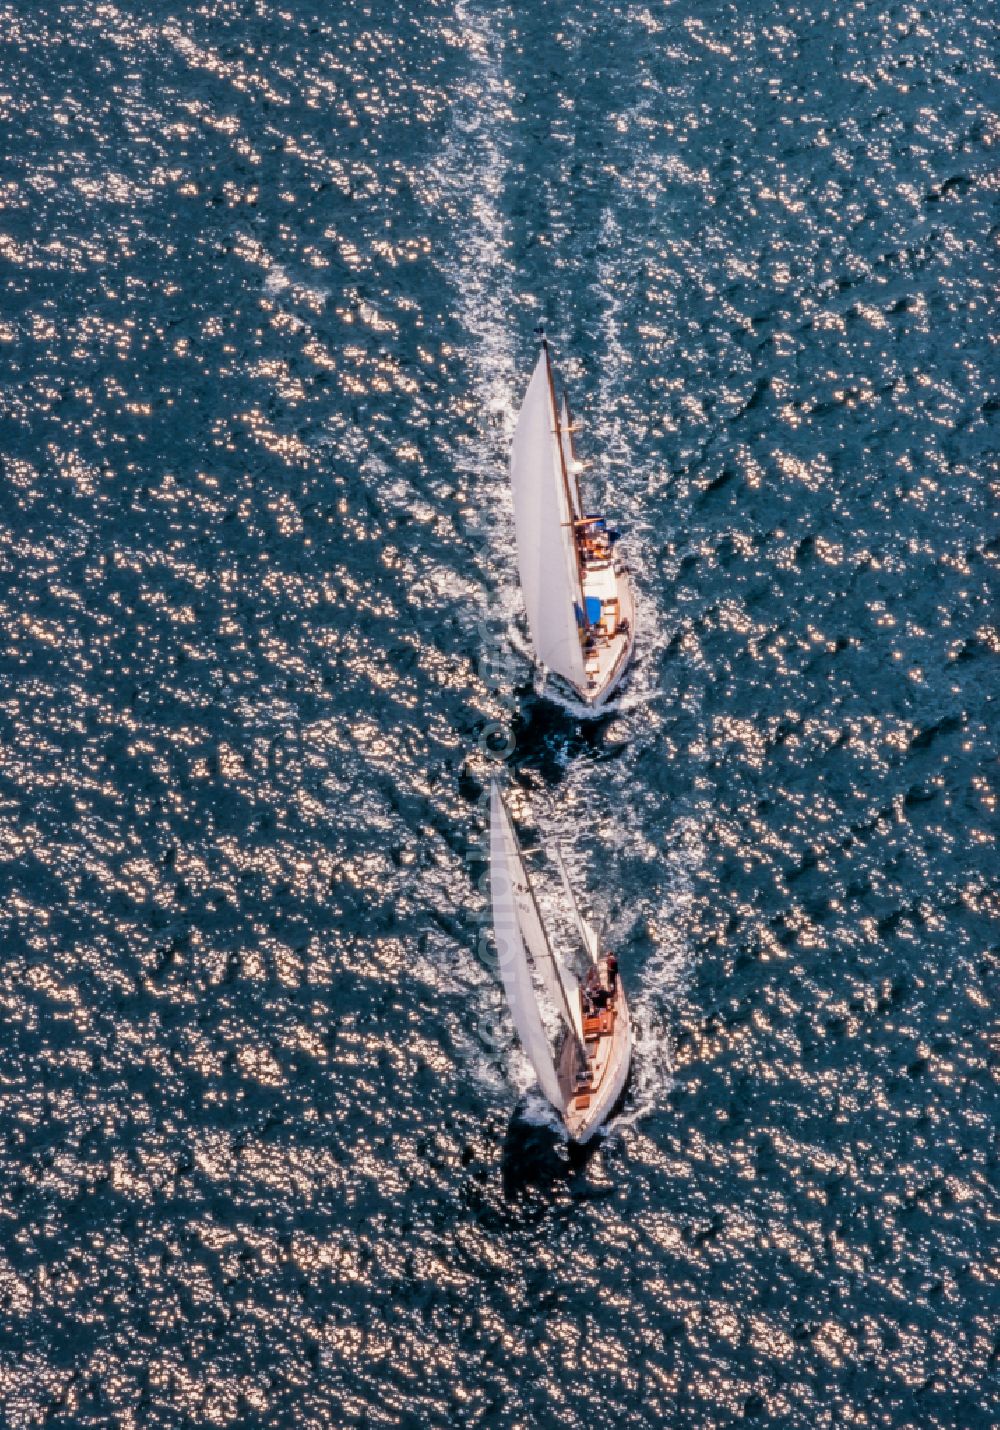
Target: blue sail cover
593	610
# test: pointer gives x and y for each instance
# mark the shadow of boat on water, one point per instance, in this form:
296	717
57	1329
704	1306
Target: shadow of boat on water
540	1162
549	737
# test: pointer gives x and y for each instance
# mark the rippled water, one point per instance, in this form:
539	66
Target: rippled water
269	276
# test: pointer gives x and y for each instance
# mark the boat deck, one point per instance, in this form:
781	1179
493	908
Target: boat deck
608	1041
607	582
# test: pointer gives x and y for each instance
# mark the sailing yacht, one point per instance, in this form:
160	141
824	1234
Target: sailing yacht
583	1071
576	589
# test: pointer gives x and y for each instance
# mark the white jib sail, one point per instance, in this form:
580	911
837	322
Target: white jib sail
561	984
569	455
506	873
543	522
588	937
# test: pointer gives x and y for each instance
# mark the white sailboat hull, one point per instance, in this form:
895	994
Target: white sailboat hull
611	1062
587	1077
607	667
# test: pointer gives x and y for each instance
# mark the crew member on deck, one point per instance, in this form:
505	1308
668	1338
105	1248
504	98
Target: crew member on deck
594	993
612	975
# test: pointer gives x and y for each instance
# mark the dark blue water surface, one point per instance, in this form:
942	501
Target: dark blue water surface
268	280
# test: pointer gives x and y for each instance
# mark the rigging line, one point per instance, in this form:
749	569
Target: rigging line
571	428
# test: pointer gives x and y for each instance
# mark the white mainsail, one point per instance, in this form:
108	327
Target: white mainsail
512	903
543	521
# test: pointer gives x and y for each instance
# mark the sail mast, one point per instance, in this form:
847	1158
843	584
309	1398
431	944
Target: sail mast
565	479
